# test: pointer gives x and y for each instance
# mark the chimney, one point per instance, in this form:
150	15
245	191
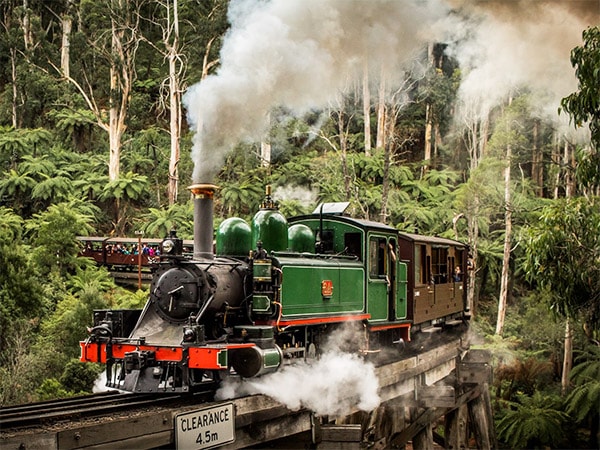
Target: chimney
203	219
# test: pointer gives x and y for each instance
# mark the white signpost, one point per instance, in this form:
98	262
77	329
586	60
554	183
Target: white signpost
205	428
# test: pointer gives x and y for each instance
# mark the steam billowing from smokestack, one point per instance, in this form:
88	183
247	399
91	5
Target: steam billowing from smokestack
301	54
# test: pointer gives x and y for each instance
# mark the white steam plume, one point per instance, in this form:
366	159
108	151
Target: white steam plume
298	54
335	384
504	47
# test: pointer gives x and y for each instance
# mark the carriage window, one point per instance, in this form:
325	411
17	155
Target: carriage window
421	271
377	257
439	265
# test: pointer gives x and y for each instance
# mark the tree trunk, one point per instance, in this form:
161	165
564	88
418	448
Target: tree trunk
265	148
537	167
174	128
428	134
174	108
65	49
387	160
569	164
114	135
122	73
367	110
265	153
13	74
344	150
381	112
477	141
556	163
504	282
26	24
473	232
568	358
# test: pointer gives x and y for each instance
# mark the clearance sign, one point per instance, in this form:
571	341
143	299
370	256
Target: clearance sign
205	428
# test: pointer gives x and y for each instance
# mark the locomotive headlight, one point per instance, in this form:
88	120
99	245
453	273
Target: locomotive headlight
168	246
189	335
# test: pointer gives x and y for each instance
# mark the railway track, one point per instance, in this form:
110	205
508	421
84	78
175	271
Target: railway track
75	408
48	412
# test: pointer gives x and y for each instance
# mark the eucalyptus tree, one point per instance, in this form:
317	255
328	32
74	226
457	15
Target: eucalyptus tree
569	230
170	48
562	255
583	106
477	201
177	30
507	137
111	32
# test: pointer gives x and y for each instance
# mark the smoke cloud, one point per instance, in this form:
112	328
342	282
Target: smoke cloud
334	384
507	47
301	54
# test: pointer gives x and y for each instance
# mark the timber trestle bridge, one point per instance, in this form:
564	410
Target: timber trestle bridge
444	388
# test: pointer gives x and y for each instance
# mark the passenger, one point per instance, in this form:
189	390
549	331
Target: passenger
457	274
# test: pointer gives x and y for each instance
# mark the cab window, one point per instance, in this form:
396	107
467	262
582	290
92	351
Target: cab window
377	257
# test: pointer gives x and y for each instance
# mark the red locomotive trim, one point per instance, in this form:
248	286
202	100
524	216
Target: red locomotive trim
318	320
389	326
210	358
89	351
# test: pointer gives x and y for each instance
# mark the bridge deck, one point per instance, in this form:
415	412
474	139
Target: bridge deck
430	384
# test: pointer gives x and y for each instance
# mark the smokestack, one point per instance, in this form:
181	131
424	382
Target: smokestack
203	219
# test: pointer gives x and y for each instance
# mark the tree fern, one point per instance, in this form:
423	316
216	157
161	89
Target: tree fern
584	401
534	422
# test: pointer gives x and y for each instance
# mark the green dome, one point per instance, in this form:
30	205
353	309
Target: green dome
301	238
234	237
270	227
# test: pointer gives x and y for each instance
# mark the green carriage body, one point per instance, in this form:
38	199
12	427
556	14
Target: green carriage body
359	258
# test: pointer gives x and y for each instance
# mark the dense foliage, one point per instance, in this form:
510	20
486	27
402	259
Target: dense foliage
57	183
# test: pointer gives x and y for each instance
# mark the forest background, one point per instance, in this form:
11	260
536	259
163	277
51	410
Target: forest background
109	110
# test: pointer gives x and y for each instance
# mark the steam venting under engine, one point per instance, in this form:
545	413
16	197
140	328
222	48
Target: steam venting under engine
203	219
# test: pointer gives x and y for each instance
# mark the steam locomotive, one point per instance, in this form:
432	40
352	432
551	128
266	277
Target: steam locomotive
272	291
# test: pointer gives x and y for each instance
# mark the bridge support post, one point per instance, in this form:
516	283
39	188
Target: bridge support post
480	415
455	428
423	440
